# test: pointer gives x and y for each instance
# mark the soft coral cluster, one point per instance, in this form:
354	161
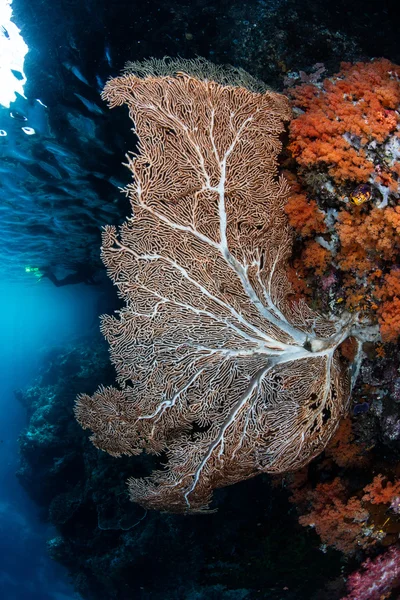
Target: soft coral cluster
369	247
381	491
345	117
348	511
347	132
307	220
349	520
343	448
389	318
389	309
377	578
339	521
303	214
368	240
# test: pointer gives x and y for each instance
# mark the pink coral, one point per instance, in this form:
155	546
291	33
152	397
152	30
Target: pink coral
377	577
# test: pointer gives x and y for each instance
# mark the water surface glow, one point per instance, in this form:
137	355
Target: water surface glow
12	54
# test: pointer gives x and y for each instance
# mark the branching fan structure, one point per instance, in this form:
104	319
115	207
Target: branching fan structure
218	372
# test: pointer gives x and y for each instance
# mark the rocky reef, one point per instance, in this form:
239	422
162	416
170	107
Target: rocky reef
114	549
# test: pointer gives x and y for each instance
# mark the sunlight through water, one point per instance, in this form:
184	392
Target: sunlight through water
12	54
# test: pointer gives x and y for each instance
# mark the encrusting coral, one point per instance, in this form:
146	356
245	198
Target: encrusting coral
219	368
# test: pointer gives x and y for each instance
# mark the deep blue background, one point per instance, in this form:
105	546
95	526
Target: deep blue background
32	319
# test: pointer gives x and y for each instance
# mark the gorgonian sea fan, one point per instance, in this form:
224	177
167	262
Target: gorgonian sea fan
216	368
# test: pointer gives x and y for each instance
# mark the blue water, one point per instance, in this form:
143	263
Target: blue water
32	318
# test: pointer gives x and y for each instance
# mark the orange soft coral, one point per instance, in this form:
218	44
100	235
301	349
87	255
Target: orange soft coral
370	244
343	448
315	257
346	138
381	491
304	215
344	521
389	320
297	278
389	310
368	238
391	286
338	521
341	117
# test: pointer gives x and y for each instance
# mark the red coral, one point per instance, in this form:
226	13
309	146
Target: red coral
304	215
297	278
348	520
346	133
